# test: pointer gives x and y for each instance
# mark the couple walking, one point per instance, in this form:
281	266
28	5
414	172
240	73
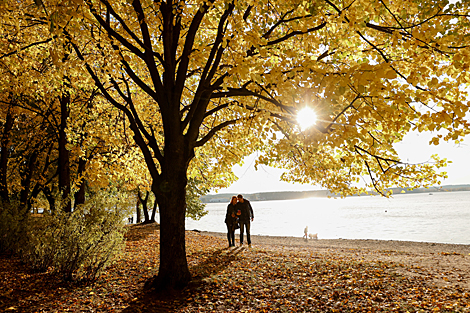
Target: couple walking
239	211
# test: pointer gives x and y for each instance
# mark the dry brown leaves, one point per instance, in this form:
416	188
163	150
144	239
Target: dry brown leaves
240	279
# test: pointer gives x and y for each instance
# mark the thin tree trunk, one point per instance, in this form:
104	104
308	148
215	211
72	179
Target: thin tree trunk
26	178
154	210
137	211
5	153
80	194
50	198
144	205
34	194
64	155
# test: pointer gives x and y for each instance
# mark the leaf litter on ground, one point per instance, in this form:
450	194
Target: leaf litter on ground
238	279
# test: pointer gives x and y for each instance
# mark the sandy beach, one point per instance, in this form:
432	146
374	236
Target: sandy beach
445	265
275	274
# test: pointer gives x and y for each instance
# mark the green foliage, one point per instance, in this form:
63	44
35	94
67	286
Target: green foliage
77	245
195	209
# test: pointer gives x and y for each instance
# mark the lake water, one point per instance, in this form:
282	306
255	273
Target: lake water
441	217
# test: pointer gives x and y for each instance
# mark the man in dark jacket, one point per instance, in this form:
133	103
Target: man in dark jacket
245	214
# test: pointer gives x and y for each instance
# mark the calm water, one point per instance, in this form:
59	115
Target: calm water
442	217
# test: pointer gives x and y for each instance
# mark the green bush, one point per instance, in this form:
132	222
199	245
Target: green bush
77	245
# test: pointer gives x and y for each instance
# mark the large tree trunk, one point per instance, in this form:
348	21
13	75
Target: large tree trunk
170	195
64	156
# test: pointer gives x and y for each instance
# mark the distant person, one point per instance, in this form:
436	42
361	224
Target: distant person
231	220
305	232
244	213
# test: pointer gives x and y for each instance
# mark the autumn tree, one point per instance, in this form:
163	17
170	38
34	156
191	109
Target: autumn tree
53	145
231	76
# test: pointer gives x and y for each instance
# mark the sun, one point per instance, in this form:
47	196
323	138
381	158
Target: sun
306	118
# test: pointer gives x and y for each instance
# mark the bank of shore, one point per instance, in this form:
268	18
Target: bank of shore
418	258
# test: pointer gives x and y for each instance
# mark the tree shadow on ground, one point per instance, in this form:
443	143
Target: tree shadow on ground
152	301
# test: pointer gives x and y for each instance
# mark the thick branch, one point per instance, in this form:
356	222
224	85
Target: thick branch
243	92
149	55
137	134
188	45
123	23
209	71
213	131
113	33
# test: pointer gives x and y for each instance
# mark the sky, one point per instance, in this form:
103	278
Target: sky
414	148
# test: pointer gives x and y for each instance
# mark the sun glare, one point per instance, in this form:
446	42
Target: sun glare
306	118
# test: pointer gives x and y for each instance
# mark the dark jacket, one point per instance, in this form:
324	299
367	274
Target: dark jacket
246	211
228	216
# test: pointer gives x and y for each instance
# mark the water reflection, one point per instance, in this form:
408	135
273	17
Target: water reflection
441	217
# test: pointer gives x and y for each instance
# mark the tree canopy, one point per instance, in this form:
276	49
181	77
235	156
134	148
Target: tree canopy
208	82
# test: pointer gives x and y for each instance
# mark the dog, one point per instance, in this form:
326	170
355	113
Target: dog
313	236
305	232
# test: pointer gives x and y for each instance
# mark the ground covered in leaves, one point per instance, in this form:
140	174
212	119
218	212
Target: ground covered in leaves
263	278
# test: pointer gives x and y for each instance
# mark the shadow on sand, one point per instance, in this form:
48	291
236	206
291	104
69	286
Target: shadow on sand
150	300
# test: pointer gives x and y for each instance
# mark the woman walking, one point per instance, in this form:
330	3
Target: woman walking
231	221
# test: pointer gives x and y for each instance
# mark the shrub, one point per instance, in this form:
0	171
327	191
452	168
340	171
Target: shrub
12	227
77	245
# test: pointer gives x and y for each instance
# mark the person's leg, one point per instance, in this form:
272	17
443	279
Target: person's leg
242	225
229	233
248	239
232	235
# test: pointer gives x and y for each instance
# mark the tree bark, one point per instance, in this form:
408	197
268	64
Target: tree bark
154	210
27	177
80	194
34	193
64	155
137	215
50	198
170	192
5	153
144	205
174	270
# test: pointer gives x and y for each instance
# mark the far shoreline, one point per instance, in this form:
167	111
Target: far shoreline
223	197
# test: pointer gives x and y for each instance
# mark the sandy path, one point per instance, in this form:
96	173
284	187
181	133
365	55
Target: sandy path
443	265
